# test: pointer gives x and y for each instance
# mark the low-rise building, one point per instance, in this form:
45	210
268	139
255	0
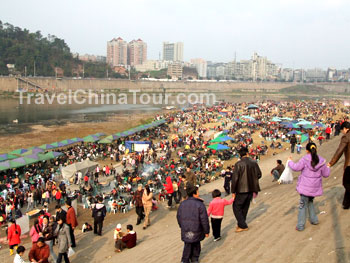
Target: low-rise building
175	70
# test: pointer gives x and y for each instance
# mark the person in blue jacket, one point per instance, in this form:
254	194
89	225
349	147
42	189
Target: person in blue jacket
193	220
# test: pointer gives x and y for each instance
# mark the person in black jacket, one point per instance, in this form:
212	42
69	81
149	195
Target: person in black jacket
228	178
245	182
60	213
98	213
193	220
293	142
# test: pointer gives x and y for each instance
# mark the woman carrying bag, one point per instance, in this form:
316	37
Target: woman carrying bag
64	240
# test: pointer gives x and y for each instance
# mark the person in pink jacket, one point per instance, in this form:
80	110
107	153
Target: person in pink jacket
312	167
35	231
216	211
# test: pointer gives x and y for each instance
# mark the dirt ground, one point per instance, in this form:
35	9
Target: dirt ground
271	237
40	134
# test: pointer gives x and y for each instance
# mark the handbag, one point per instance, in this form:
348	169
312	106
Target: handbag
287	175
71	252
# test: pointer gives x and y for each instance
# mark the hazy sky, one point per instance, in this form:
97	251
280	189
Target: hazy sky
294	33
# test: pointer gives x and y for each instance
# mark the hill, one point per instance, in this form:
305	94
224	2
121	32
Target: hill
30	52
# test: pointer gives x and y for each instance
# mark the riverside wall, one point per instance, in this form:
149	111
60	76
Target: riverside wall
58	85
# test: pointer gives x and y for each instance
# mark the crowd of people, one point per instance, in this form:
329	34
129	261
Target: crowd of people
177	160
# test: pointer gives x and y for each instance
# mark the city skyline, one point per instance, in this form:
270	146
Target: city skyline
296	34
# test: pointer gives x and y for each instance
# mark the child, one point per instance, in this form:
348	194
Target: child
19	256
86	227
298	148
118	232
216	210
127	241
313	167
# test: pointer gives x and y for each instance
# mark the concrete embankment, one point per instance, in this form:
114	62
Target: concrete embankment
11	84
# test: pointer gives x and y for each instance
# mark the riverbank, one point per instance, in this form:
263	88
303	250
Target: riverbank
42	134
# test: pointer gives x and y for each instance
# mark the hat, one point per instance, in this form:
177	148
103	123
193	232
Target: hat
119	226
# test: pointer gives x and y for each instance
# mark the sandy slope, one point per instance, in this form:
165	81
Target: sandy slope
272	236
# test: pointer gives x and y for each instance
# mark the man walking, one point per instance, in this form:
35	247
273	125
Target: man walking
245	182
99	213
137	198
344	147
293	142
71	220
193	220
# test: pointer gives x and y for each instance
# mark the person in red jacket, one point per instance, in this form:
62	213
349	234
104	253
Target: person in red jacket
71	220
13	235
169	190
58	197
128	241
40	252
328	132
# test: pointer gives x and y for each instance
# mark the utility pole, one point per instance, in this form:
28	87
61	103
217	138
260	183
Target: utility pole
107	72
25	71
83	70
34	68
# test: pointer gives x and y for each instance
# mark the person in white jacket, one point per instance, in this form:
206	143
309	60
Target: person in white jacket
20	252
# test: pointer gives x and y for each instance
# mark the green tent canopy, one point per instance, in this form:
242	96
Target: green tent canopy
106	140
32	151
4	165
91	138
304	137
18	151
49	155
7	156
57	144
46	146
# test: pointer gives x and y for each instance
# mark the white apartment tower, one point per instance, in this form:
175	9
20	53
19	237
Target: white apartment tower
201	66
173	51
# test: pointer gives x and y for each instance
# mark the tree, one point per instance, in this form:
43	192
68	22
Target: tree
24	49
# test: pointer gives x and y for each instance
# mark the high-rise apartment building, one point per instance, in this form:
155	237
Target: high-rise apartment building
117	52
137	52
173	51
